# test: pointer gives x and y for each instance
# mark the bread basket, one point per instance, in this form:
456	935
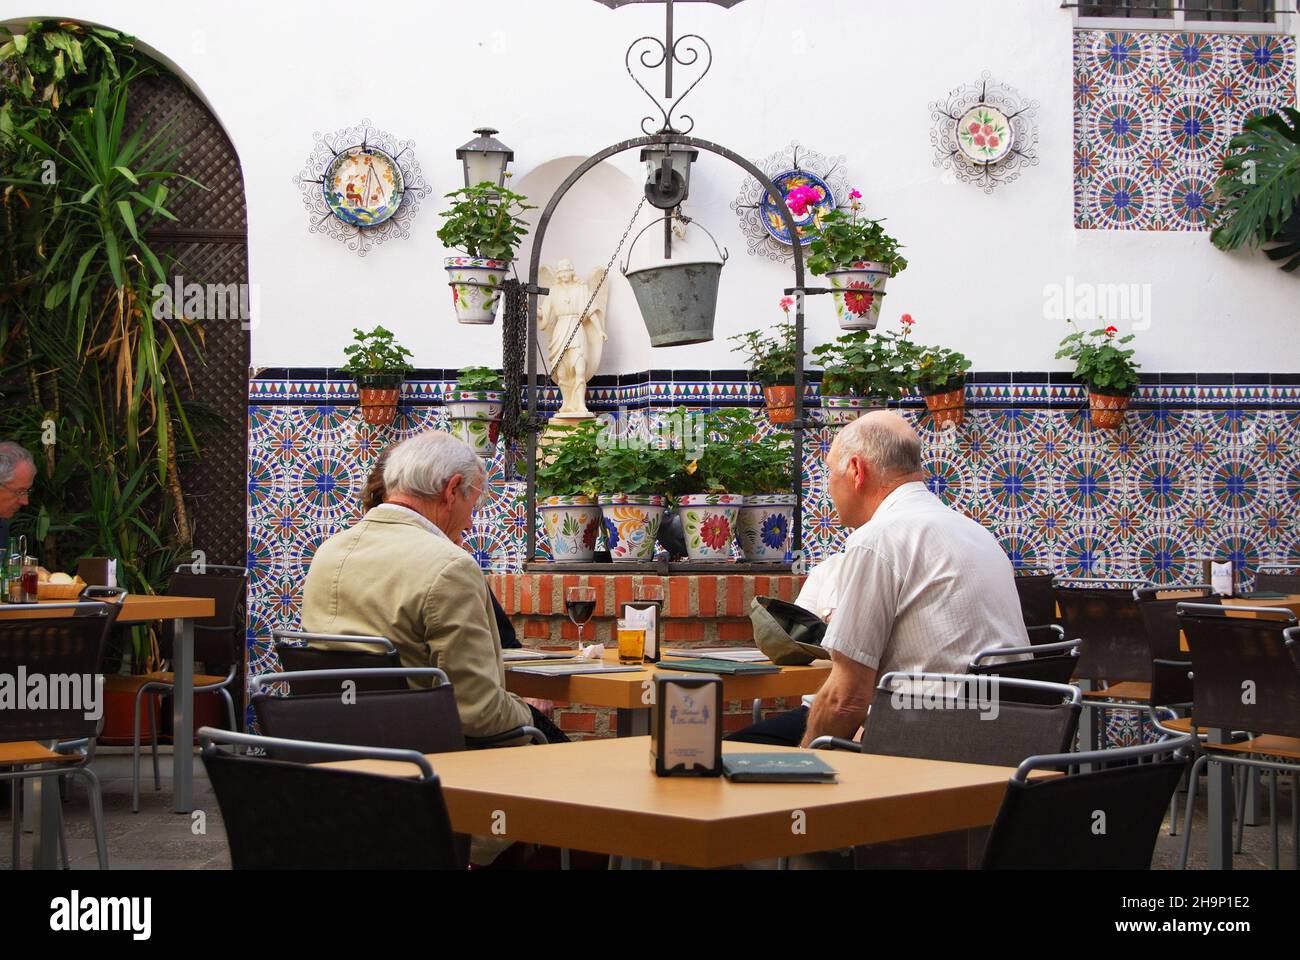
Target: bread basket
60	591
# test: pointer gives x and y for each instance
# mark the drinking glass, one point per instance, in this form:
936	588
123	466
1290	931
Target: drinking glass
580	604
631	644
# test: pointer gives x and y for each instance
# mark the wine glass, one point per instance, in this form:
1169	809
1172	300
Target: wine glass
580	604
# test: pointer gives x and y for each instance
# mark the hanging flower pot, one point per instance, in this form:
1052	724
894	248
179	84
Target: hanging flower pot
842	409
631	525
476	418
678	300
780	402
947	407
1107	409
476	286
859	294
572	527
763	528
709	522
378	394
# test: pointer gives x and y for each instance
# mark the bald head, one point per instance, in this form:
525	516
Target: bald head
884	440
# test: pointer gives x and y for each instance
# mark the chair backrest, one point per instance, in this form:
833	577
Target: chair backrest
293	816
1108	819
300	652
1278	579
218	639
967	719
423	720
1050	663
1243	676
1037	603
1114	638
65	651
1170	664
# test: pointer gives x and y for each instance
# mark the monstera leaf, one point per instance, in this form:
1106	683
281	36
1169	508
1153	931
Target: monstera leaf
1260	188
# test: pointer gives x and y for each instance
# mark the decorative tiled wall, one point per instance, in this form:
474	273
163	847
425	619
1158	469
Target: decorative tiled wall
1209	469
1153	114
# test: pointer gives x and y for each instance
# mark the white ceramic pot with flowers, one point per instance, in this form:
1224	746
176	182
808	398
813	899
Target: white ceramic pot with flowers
485	224
857	257
566	492
864	370
474	407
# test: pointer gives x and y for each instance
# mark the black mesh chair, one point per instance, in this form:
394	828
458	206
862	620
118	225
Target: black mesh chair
218	642
1053	663
1171	666
1037	602
1233	655
301	652
48	740
1103	820
1278	579
294	816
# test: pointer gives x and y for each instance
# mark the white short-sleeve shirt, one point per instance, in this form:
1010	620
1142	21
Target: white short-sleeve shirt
922	587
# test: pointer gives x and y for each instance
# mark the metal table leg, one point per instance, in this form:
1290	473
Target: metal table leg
1220	804
633	723
183	717
46	840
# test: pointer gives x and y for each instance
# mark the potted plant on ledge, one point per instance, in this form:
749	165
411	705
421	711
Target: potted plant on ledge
633	479
771	362
707	480
474	406
859	257
1106	368
863	371
567	487
767	481
377	362
485	224
941	379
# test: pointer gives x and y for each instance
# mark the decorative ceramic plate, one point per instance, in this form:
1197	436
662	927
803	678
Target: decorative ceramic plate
363	186
785	182
984	134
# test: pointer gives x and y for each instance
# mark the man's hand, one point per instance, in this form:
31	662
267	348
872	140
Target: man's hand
841	704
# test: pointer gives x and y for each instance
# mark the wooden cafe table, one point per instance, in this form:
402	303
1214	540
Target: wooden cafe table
142	608
630	693
602	796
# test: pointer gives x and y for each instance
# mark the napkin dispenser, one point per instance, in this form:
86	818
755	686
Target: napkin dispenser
686	725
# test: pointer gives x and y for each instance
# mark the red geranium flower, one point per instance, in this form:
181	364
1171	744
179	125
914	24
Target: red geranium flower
715	532
906	320
1111	331
859	298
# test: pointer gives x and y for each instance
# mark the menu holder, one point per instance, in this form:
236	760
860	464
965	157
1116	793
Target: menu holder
686	726
98	571
645	613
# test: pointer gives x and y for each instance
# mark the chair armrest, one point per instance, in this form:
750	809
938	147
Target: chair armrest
503	739
835	743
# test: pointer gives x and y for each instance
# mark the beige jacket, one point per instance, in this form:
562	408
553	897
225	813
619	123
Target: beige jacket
391	576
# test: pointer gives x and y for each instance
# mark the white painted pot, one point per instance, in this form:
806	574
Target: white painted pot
860	293
572	525
709	524
631	525
763	530
476	286
476	418
841	409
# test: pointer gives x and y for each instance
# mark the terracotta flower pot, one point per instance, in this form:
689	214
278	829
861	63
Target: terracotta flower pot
947	407
780	403
1107	410
378	396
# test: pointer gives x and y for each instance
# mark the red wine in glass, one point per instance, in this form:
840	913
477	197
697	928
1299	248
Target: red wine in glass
580	605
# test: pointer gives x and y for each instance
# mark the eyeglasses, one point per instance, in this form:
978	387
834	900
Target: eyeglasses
20	494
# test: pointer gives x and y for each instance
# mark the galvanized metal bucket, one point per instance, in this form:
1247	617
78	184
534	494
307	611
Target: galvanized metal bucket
678	301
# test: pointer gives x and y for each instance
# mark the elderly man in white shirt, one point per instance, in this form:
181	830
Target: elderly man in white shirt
919	587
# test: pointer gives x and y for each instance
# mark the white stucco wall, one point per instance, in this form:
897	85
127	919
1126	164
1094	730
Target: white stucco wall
549	74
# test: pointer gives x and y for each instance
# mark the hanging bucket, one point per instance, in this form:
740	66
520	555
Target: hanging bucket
677	300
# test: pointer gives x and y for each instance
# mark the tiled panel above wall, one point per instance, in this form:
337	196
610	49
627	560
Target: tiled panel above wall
1153	114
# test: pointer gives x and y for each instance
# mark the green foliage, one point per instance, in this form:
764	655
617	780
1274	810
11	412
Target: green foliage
1100	360
376	353
939	370
728	455
572	463
479	378
635	469
485	221
1260	187
867	363
771	359
842	239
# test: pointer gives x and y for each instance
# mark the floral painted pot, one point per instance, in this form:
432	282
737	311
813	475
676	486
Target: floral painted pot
378	396
841	409
780	403
572	526
475	286
763	530
947	408
631	525
709	522
476	418
859	294
1107	410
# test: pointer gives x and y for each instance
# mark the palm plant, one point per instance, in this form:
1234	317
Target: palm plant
1260	187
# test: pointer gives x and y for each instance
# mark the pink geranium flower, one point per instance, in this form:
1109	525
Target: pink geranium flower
787	303
854	195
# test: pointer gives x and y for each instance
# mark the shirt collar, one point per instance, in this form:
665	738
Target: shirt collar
422	520
900	493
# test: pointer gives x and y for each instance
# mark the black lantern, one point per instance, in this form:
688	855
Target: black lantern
668	173
485	159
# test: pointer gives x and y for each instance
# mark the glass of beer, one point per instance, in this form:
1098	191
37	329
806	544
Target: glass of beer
631	644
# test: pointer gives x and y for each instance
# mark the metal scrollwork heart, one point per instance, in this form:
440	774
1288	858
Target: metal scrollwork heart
654	54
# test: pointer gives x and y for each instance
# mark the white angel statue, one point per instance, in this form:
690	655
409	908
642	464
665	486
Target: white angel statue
575	330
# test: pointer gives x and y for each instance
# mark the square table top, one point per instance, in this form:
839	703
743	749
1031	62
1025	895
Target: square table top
603	796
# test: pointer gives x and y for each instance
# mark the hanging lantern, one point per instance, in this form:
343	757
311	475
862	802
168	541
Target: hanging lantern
485	159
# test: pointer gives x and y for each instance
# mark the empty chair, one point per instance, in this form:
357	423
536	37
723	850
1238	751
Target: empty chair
294	816
1053	663
1053	823
1171	685
299	652
69	644
1037	602
1278	579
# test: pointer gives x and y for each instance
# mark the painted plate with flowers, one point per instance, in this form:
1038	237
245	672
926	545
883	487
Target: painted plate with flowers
363	186
821	200
984	134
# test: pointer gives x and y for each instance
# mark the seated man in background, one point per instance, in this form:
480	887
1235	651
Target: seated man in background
918	587
401	573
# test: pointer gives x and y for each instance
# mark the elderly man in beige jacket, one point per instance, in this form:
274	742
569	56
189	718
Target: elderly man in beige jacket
402	573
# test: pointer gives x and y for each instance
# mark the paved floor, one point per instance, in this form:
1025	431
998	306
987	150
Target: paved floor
158	839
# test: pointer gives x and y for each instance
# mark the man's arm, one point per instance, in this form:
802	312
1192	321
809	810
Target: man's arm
842	702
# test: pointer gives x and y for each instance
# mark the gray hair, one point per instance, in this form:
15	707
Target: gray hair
885	440
421	465
12	454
